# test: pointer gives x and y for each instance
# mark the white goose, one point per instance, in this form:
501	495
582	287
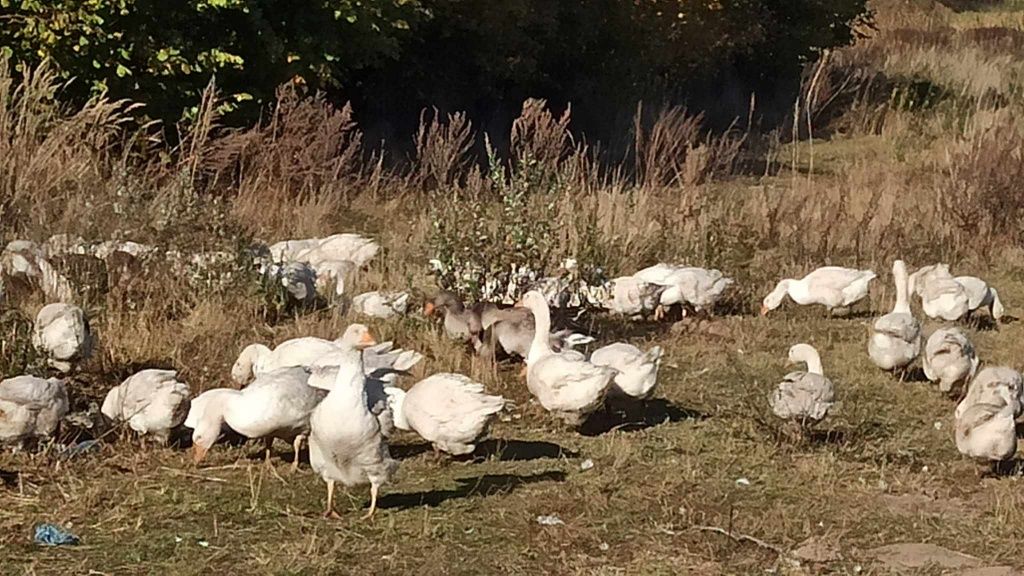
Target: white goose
949	358
62	333
450	411
896	339
980	294
986	431
942	297
697	287
631	297
382	305
803	397
636	370
151	402
377	399
564	382
306	351
987	386
352	247
276	404
831	286
31	408
345	442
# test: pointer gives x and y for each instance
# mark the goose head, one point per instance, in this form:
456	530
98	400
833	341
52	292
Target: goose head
774	298
445	300
358	336
806	354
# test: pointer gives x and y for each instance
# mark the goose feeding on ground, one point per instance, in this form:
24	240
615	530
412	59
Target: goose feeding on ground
345	442
379	304
831	286
987	386
636	370
450	411
949	359
697	287
305	351
513	330
981	295
151	402
804	398
62	333
896	338
31	408
565	383
631	297
986	431
942	297
277	404
206	419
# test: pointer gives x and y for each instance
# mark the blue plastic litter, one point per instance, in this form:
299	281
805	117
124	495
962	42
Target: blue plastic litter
81	448
52	535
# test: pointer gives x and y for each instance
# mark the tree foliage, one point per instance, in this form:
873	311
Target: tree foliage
163	53
393	57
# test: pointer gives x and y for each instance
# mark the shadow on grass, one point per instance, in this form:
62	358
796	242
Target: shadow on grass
1006	469
499	449
521	450
486	485
8	478
915	375
984	323
630	416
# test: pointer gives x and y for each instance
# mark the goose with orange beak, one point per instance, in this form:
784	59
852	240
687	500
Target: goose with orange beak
276	405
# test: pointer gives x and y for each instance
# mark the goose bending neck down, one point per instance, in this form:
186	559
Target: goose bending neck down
249	362
830	286
808	355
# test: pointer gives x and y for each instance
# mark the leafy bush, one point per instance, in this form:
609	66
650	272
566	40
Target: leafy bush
475	55
164	53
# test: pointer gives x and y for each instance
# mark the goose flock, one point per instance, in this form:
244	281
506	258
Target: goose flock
343	397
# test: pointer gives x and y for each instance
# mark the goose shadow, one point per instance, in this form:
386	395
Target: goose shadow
408	451
915	375
984	323
9	478
496	448
1005	469
827	437
520	450
486	485
631	416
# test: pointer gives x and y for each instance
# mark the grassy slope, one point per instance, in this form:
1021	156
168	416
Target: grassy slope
888	473
884	469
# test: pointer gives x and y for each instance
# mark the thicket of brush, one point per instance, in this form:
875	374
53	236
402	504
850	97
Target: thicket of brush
932	173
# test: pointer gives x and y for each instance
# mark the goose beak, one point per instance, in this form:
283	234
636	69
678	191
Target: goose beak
428	309
764	310
198	453
366	341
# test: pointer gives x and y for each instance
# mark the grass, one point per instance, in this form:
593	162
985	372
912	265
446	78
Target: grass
903	145
886	472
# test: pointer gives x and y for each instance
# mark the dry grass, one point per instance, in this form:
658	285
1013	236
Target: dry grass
916	154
